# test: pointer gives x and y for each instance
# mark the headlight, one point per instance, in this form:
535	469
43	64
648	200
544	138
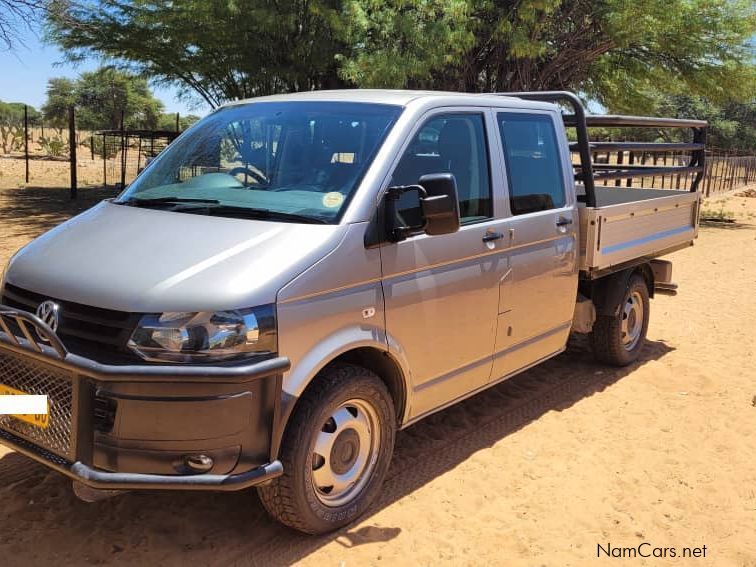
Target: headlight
205	336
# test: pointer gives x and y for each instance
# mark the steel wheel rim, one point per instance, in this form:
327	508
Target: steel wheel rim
632	320
345	452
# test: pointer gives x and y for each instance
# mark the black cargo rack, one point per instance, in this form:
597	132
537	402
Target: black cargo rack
589	172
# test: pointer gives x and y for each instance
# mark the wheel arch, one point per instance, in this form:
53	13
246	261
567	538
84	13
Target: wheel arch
607	292
375	359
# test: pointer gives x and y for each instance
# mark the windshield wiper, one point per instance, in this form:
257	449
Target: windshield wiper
176	200
215	207
253	213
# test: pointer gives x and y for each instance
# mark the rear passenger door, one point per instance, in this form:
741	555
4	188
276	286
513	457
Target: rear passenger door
537	292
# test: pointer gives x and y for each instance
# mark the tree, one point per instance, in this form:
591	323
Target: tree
100	98
12	124
732	126
61	95
217	50
168	121
616	52
15	15
404	43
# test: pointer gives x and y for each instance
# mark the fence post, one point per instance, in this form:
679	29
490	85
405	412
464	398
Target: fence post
664	157
26	141
730	173
676	162
72	148
709	172
618	183
178	128
608	160
643	162
104	164
123	153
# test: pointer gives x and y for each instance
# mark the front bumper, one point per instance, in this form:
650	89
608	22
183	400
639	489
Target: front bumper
136	427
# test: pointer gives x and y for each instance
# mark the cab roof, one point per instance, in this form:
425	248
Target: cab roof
395	97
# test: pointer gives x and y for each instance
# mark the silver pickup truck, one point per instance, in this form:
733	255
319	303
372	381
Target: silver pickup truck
297	277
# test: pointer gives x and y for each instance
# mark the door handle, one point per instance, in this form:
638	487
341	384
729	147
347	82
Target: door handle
562	221
491	236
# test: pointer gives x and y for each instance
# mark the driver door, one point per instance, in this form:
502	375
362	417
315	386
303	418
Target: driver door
441	292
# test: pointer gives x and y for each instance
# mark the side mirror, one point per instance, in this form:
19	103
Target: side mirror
438	207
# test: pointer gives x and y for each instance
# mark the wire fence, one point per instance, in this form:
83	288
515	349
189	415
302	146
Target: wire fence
727	171
36	154
724	170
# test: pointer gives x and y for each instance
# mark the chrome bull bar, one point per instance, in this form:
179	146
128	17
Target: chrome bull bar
37	335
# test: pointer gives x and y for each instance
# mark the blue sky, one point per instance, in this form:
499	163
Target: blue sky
24	73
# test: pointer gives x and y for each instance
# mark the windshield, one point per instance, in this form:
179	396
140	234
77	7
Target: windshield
295	161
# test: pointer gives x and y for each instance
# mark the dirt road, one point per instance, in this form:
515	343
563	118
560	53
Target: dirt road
536	471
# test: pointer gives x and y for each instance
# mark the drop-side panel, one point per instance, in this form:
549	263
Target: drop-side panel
615	234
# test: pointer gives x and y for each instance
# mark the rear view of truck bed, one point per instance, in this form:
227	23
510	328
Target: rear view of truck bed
630	223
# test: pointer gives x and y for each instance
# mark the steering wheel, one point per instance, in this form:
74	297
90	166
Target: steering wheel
256	175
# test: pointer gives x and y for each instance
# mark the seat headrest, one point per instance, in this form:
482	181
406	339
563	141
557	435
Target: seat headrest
454	139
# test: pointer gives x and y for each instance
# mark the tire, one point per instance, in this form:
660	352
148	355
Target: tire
348	413
618	339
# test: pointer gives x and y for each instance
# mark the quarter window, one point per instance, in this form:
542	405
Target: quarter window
533	163
448	143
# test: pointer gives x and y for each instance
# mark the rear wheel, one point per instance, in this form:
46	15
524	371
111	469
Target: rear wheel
335	453
618	339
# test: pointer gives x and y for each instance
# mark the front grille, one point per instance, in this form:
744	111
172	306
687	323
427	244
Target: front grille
31	377
93	332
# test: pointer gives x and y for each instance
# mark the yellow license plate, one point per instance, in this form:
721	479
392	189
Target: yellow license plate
41	420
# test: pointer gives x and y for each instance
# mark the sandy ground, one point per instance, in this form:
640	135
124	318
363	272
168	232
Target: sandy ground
536	471
54	173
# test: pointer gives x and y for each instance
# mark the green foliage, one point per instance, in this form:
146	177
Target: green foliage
401	43
731	125
167	121
11	138
621	54
100	98
12	125
12	113
61	95
53	146
716	215
218	50
111	150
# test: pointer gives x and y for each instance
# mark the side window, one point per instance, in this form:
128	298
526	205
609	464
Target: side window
448	143
533	162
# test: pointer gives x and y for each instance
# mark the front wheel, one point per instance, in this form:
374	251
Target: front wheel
618	339
335	452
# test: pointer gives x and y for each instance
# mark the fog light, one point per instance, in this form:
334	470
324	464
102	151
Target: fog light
198	463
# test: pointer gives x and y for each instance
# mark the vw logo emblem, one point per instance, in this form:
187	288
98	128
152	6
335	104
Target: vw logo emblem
49	312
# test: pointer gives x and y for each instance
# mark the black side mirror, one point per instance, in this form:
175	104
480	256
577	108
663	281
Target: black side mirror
438	206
